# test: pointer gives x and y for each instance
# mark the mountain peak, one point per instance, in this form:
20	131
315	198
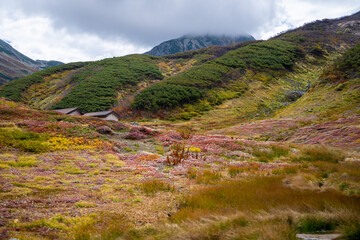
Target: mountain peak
190	42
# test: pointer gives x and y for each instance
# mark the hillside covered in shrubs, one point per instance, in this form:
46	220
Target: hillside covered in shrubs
189	84
259	140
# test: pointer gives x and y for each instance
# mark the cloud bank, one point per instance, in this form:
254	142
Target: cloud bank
71	30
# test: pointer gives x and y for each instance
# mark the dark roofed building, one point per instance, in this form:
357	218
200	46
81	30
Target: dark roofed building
69	111
107	115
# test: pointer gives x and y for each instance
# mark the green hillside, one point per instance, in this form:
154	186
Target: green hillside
252	79
271	57
91	86
335	93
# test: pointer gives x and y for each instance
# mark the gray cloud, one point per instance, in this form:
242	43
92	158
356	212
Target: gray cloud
72	30
148	22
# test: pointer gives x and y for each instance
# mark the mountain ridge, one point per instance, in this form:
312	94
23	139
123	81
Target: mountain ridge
194	42
14	64
138	85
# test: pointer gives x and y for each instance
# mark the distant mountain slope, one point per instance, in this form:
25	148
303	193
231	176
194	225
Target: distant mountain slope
14	64
248	80
262	74
90	86
188	42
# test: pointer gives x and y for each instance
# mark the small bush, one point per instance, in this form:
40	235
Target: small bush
119	126
153	186
352	232
321	153
315	224
83	204
177	154
135	134
186	133
105	130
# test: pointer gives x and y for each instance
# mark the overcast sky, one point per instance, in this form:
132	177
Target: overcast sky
79	30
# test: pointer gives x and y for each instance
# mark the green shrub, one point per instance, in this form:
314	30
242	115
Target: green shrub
32	146
208	75
25	141
352	232
315	224
345	67
164	96
98	83
15	88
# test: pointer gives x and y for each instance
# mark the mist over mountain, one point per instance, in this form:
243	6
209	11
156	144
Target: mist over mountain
192	42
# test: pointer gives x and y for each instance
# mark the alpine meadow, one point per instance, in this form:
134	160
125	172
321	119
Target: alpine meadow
255	140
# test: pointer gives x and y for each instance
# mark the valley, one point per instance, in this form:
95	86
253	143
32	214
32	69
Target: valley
257	140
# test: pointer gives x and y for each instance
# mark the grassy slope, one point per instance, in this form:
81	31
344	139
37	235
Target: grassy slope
335	93
91	86
127	75
221	78
326	114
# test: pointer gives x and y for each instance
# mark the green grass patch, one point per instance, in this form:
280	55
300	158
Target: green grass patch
83	204
25	141
265	154
321	153
315	224
207	177
73	170
24	161
352	231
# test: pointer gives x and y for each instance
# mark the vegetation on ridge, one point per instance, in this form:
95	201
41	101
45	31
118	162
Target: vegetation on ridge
14	89
99	81
272	56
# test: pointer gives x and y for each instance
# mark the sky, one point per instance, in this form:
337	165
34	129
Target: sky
84	30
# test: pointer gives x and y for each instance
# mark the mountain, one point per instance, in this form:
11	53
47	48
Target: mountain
189	42
14	64
216	128
248	80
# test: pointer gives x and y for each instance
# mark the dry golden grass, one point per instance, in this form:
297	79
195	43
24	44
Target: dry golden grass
261	193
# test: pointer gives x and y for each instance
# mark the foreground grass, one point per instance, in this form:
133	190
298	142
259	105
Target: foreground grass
260	208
